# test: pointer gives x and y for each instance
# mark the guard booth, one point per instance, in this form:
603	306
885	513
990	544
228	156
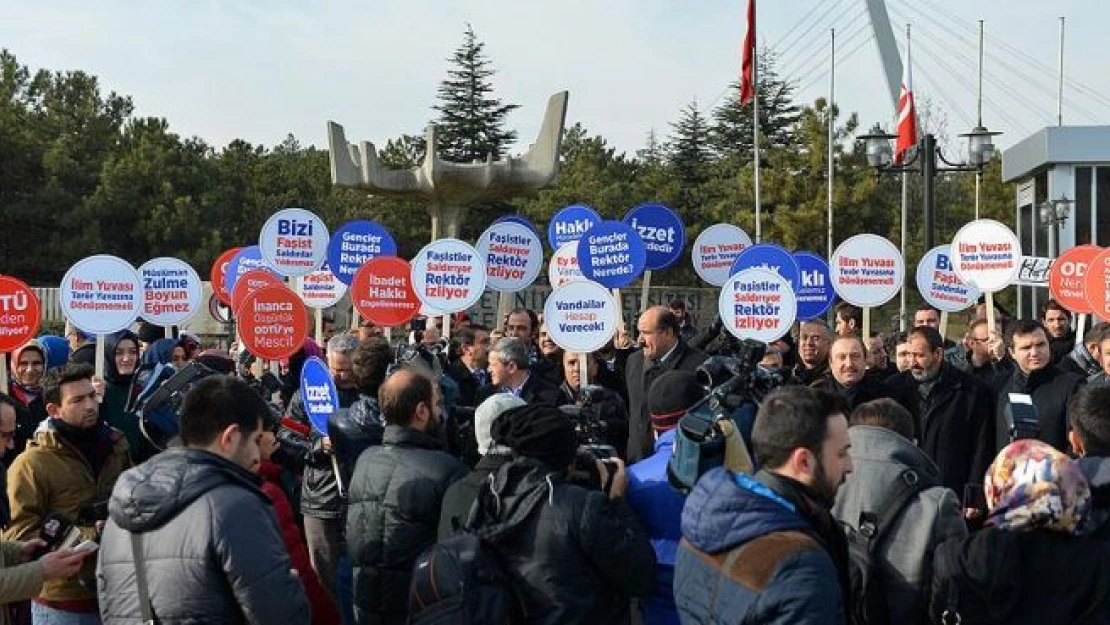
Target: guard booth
1063	196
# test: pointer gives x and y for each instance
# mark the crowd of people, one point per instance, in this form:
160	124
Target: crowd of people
902	478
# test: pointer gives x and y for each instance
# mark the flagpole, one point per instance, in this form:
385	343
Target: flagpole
832	95
755	127
907	88
979	119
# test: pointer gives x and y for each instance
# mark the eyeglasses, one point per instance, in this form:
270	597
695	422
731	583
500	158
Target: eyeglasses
977	340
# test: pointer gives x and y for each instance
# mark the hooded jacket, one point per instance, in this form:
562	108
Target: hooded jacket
393	515
52	476
1036	577
954	425
460	496
578	556
748	555
881	461
211	547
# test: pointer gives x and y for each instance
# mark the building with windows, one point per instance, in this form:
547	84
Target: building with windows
1062	175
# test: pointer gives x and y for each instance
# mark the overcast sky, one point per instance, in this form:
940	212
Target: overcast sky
260	69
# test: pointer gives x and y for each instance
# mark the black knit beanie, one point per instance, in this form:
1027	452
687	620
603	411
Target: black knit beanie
540	432
671	395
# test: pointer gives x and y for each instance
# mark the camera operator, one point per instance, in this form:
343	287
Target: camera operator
606	407
657	504
580	554
70	465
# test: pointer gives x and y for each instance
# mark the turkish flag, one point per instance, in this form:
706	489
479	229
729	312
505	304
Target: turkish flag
747	65
907	114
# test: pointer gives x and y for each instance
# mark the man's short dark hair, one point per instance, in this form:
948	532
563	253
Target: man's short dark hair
1097	333
926	307
54	379
850	312
469	334
217	403
369	363
398	402
884	413
533	318
791	418
930	334
1053	305
1023	327
677	304
1089	416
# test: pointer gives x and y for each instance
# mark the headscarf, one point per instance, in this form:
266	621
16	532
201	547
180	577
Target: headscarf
159	352
26	393
1031	485
111	342
56	348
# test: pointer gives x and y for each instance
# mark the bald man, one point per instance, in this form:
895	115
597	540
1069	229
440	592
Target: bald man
661	349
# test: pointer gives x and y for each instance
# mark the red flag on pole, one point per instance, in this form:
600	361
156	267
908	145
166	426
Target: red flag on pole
747	66
907	113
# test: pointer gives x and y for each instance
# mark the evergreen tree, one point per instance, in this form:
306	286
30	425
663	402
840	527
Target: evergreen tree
471	121
688	150
731	134
404	152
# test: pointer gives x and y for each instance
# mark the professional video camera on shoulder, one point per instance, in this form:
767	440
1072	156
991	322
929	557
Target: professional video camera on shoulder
708	436
594	417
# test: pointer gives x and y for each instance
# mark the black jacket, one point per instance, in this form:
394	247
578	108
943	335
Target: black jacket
460	496
955	424
867	389
639	379
1052	389
579	556
809	377
1080	362
1061	347
354	431
468	384
212	549
536	390
393	514
319	491
1035	577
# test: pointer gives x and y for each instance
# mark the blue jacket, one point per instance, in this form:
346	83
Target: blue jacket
748	556
659	507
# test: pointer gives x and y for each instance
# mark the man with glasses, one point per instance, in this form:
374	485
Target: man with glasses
985	358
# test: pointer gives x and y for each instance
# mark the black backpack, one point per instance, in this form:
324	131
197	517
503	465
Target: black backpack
462	580
868	592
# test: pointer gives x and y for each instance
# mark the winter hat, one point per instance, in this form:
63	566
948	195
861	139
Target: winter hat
218	360
670	396
488	412
149	333
540	432
1031	485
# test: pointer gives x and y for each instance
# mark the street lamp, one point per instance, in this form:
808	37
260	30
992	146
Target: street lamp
1054	213
880	155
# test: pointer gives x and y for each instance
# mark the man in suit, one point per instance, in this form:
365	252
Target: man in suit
661	349
510	372
469	369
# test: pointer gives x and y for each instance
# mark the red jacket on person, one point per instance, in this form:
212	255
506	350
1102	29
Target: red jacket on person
324	610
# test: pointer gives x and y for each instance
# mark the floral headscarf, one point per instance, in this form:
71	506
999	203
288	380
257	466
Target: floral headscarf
1031	485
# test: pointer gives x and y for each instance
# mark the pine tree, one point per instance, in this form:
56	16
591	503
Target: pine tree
731	134
688	150
471	121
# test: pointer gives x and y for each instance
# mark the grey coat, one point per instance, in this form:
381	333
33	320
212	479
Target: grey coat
211	546
880	457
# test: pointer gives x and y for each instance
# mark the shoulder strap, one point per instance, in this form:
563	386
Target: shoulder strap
145	608
875	526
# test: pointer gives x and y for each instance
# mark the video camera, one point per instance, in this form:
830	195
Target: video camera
593	420
700	442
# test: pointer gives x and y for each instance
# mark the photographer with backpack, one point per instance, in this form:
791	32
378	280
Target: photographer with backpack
896	513
565	554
